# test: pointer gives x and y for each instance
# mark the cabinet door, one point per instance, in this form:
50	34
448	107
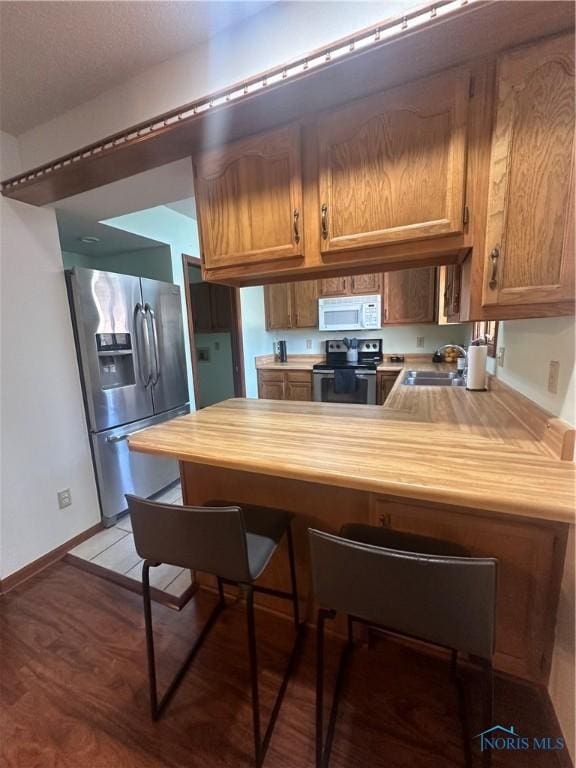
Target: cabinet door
335	286
525	553
221	307
298	385
201	312
271	385
452	288
305	304
392	166
366	284
249	200
529	243
278	306
410	296
385	383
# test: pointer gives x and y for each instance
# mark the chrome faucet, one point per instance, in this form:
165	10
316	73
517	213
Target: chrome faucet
464	371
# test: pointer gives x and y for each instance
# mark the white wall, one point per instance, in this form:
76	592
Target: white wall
216	376
155	263
282	32
529	346
44	443
258	341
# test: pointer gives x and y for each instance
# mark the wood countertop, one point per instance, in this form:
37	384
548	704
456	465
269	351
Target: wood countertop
480	450
307	362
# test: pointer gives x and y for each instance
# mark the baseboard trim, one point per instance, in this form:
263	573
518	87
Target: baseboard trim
30	570
159	596
553	727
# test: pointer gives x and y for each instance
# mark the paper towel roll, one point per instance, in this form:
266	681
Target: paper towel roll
476	378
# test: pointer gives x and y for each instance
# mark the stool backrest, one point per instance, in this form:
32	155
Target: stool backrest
209	539
449	601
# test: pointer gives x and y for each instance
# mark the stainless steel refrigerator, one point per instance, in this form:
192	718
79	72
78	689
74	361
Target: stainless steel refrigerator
130	345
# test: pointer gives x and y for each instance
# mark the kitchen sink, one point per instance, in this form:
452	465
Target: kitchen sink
434	379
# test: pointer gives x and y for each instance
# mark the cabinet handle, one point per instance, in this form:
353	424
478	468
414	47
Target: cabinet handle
324	210
296	232
384	520
385	314
494	254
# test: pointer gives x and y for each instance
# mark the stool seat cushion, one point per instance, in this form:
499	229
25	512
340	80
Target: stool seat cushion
378	536
264	529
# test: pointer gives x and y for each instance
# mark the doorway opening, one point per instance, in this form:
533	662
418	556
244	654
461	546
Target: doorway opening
215	330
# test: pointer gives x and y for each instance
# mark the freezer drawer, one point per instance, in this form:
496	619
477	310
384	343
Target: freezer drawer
120	471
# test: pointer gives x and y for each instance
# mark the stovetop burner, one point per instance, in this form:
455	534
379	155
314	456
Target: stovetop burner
369	356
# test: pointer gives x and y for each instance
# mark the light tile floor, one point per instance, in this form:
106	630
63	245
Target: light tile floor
113	550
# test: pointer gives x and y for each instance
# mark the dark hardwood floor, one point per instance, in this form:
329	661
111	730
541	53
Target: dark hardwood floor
73	690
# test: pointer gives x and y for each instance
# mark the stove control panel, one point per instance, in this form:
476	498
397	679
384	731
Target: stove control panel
372	346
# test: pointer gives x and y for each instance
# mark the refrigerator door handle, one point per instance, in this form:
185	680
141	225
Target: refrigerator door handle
140	315
156	375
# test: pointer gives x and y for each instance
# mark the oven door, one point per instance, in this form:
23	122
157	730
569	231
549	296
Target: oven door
365	393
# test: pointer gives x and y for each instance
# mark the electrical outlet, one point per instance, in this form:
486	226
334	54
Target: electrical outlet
308	343
420	341
500	356
64	498
217	346
553	374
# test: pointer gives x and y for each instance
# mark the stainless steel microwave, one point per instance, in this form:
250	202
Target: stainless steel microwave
350	313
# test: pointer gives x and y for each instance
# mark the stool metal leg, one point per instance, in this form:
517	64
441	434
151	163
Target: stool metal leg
293	577
149	640
157	708
488	706
462	709
221	590
253	671
324	746
261	744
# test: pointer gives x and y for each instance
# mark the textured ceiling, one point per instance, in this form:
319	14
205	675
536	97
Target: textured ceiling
56	55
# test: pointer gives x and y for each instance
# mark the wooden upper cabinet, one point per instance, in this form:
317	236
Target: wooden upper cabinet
305	304
278	306
409	296
291	305
392	166
249	200
334	286
366	284
529	240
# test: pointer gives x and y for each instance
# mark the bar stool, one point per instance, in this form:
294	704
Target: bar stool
408	585
233	543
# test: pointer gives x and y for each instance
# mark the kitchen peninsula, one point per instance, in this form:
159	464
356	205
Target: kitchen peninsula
484	469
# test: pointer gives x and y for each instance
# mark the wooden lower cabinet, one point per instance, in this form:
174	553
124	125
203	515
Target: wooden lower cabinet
384	383
530	558
285	385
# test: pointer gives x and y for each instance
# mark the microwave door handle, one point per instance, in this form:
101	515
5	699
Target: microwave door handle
140	323
152	315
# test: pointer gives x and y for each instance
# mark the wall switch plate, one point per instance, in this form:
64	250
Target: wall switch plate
553	374
420	341
308	343
500	356
64	498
